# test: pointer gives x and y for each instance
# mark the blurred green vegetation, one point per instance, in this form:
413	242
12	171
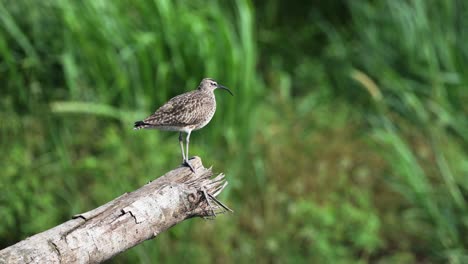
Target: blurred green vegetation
346	140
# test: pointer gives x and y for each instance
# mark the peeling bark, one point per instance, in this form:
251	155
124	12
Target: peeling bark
126	221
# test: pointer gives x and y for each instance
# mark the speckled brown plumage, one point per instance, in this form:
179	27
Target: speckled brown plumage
188	111
185	113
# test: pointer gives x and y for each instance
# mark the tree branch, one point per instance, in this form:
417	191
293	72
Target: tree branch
126	221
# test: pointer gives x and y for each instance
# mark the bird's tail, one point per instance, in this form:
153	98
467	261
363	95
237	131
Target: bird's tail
140	125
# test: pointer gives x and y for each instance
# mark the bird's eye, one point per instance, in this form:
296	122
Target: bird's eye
214	84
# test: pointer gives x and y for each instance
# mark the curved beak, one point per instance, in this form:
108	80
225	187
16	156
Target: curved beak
224	88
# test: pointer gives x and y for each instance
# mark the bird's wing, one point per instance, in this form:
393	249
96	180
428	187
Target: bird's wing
179	111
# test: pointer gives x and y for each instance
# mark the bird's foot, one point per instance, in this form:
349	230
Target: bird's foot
186	163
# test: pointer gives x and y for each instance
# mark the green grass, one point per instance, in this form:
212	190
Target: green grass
345	141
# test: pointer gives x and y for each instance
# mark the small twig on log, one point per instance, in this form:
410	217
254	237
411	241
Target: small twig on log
126	221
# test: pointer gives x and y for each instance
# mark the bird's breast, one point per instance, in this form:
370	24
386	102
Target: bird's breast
207	114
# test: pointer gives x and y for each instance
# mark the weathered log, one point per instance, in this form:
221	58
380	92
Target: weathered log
126	221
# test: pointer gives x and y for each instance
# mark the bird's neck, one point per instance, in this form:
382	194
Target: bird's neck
207	91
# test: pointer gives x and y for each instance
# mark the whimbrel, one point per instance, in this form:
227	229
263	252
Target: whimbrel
185	113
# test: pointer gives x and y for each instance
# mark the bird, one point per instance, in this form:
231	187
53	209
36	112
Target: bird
185	113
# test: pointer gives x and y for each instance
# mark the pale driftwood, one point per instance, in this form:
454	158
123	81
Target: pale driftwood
126	221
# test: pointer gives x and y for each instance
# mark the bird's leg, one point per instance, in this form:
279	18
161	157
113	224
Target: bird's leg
186	158
187	140
182	146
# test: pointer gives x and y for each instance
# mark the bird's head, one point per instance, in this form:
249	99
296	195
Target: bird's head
209	84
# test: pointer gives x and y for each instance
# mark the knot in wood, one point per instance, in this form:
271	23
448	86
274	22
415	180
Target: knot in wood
192	198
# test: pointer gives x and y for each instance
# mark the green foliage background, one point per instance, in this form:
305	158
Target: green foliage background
346	140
